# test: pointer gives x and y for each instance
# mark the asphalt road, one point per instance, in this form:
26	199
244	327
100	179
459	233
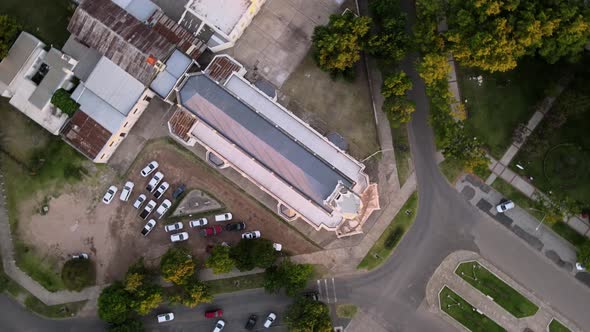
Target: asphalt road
392	295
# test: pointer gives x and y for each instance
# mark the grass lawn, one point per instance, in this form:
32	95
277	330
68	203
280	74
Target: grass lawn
504	99
346	310
451	169
464	313
53	311
236	284
384	246
328	105
48	20
558	157
556	326
490	285
403	156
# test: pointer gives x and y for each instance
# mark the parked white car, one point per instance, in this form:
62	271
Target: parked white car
81	255
127	190
161	189
251	235
277	246
148	227
108	196
179	237
504	206
198	222
147	170
163	318
219	325
163	208
223	217
154	181
173	227
139	201
147	210
270	319
580	267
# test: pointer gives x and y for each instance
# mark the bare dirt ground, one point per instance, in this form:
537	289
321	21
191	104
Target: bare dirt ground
78	222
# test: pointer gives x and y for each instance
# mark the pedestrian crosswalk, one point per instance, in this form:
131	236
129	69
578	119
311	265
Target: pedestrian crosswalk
327	290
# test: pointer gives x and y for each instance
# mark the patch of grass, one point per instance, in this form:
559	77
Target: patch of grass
77	274
402	152
464	313
384	246
556	326
504	99
565	231
346	310
451	168
40	269
53	311
520	199
235	284
47	20
490	285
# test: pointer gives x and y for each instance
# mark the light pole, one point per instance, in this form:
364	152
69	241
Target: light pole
542	220
374	153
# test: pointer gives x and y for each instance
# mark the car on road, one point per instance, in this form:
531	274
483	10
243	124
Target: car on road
163	208
139	201
234	227
179	191
219	325
251	322
126	192
504	206
149	168
270	319
161	189
214	313
108	196
81	255
149	207
148	227
178	237
198	223
173	227
163	318
313	295
154	181
580	267
211	230
251	235
223	217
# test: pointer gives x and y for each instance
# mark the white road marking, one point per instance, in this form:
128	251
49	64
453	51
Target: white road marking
327	293
319	289
334	288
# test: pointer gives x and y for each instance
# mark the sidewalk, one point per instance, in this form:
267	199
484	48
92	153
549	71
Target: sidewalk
445	276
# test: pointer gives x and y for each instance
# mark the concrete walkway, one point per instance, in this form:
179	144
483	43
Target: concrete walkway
445	276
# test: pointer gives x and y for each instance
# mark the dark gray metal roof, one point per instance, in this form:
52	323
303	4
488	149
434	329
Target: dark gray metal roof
18	55
258	137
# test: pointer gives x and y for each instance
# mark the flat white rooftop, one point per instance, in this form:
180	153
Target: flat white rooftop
223	14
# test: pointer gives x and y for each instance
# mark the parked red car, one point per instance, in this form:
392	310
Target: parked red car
214	313
211	230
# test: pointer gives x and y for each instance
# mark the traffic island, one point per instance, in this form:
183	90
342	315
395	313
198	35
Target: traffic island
465	314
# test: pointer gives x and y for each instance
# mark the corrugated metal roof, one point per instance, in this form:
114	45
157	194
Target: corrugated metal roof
221	68
181	122
176	65
85	134
99	110
18	55
261	139
87	57
140	9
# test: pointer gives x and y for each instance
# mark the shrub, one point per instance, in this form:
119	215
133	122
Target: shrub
9	30
249	254
77	274
62	100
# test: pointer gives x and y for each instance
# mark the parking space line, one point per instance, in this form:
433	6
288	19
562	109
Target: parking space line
334	289
327	293
319	288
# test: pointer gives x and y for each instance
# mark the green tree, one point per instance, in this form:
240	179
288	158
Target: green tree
434	68
398	110
191	294
177	265
249	254
338	45
220	260
584	254
132	325
293	277
147	298
307	315
9	30
77	274
114	304
391	42
396	84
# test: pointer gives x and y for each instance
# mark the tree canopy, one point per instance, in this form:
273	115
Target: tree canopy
191	294
307	315
9	30
77	274
114	304
177	265
494	34
249	254
288	275
338	45
220	260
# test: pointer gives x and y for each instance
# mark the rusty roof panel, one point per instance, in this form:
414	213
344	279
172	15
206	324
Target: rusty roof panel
221	68
85	134
181	123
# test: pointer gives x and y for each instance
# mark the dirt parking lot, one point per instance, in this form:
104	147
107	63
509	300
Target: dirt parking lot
78	221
